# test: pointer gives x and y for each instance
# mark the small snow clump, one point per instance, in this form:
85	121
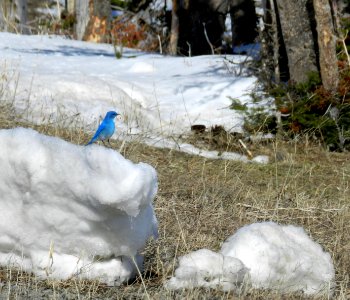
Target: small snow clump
205	268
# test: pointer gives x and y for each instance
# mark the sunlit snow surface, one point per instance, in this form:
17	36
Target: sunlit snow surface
157	96
69	210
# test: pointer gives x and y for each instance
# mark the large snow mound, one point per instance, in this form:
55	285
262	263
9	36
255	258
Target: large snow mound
205	268
71	210
282	257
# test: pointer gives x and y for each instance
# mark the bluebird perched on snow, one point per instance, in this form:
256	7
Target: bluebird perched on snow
106	128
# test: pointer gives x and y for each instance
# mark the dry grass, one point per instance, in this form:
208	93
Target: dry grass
201	202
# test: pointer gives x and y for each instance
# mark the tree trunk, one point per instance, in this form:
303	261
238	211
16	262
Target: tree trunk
326	45
174	34
82	15
70	6
93	18
243	22
13	15
298	38
275	40
21	15
6	14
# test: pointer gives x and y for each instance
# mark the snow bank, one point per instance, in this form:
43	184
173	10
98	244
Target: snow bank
158	95
265	255
71	210
53	79
281	257
205	268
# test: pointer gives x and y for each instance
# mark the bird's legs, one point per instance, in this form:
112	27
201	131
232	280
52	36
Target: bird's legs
110	145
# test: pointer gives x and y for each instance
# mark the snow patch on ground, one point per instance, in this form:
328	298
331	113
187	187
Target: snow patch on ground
281	257
265	255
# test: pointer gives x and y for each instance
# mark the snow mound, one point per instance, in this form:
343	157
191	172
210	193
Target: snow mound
141	67
282	257
69	210
205	268
261	255
261	159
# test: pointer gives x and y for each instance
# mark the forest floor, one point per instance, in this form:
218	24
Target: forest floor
201	202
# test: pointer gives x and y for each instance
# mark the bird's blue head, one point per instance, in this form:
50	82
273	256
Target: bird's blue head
111	115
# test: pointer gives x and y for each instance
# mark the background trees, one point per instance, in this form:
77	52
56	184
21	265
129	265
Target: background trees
306	40
13	15
326	37
198	26
92	20
301	41
299	35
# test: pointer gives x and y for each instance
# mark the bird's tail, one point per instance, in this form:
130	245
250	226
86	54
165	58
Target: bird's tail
91	142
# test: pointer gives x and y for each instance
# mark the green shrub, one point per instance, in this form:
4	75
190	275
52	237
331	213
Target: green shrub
259	120
309	108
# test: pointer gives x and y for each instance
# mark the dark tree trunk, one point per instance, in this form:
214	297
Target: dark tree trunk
326	45
275	41
175	23
244	23
298	38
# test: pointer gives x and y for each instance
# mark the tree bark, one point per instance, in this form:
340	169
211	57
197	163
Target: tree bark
298	38
174	34
326	45
13	15
275	40
93	18
6	14
21	15
70	6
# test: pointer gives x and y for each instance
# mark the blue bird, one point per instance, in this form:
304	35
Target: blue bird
106	129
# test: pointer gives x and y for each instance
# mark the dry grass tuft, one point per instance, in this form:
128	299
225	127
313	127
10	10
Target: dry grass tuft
202	202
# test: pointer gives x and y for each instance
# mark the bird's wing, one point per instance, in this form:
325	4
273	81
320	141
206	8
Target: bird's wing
97	133
100	129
